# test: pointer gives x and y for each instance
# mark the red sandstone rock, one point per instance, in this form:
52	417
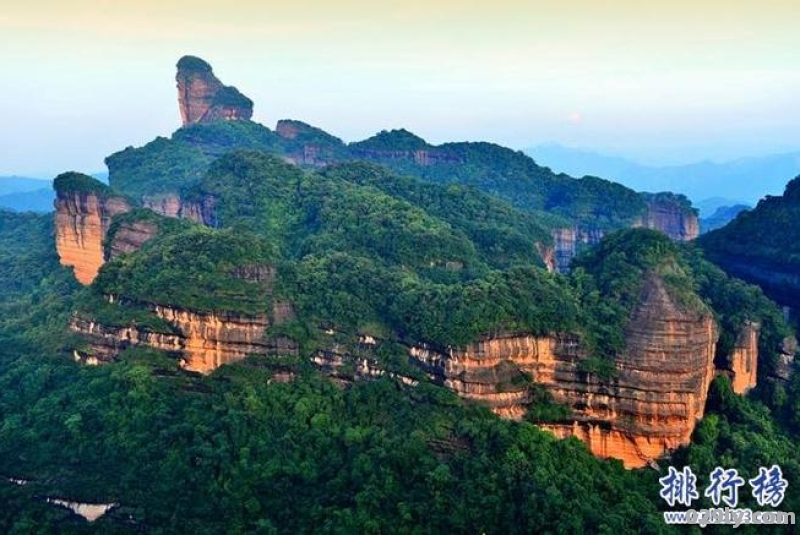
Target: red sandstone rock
82	220
203	98
647	409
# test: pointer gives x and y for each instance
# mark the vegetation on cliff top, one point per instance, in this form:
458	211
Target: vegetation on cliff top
680	203
589	202
395	140
229	96
191	269
73	182
193	63
240	451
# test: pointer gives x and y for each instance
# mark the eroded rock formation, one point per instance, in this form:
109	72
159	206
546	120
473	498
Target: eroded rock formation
203	98
743	361
82	220
648	408
568	242
202	211
205	340
672	219
130	237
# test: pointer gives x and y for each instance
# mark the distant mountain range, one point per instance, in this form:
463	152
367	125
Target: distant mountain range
27	194
15	184
742	181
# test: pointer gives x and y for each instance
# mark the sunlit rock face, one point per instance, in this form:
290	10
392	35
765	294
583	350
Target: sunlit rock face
649	407
82	220
203	98
203	340
742	363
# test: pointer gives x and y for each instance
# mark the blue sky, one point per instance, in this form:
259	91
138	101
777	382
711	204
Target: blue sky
661	82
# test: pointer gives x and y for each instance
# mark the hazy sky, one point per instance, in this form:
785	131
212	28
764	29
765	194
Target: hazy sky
683	79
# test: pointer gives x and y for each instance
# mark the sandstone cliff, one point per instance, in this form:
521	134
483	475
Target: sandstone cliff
308	145
742	363
672	215
674	220
647	408
568	242
203	98
202	211
204	340
130	237
82	220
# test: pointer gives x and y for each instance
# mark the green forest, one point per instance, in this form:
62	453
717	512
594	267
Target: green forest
407	253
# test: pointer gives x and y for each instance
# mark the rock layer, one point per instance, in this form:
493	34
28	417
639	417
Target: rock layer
671	219
202	211
743	361
82	220
648	408
206	340
568	242
130	237
203	98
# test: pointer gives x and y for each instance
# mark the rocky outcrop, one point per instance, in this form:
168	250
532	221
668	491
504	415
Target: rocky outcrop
204	340
130	237
786	359
548	256
568	242
742	363
648	407
202	211
671	215
203	98
663	214
82	220
89	511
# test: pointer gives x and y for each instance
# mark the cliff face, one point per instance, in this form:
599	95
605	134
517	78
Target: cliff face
130	237
648	408
203	98
663	214
742	363
568	242
671	219
82	220
170	205
205	341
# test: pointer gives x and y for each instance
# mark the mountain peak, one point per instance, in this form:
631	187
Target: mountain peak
203	98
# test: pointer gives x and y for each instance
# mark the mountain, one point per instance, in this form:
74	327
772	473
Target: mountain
707	207
252	330
329	244
24	194
761	245
17	184
40	200
748	179
721	217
